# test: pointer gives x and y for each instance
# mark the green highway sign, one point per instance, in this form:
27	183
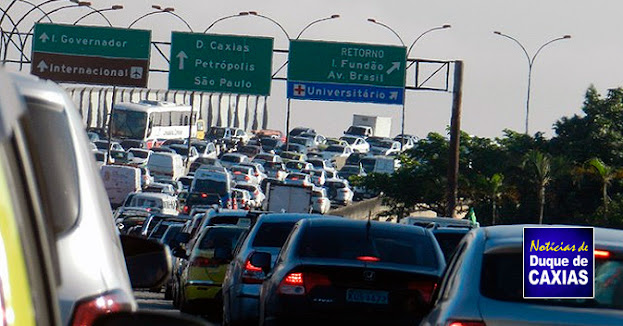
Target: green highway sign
221	63
91	55
347	72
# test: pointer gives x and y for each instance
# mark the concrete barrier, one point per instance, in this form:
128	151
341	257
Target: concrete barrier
360	210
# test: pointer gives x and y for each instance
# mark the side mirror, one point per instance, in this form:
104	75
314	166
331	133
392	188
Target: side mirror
147	318
148	262
179	253
262	260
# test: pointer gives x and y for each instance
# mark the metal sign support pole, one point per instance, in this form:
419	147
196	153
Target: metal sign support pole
110	122
190	126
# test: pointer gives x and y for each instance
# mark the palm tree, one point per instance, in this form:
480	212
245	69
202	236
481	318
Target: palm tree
538	165
494	191
605	174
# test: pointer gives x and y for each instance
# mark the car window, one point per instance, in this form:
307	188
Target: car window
443	291
448	242
54	159
389	246
272	234
220	238
502	279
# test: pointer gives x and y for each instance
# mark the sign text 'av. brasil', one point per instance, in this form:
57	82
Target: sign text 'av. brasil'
91	55
221	63
347	72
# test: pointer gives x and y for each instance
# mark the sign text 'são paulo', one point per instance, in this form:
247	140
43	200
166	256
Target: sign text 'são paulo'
221	63
91	55
346	72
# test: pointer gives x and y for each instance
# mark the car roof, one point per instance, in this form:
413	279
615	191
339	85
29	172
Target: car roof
334	221
290	217
503	236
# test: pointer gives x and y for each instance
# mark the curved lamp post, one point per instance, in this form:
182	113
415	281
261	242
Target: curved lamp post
402	124
240	14
99	11
531	64
159	10
316	22
255	13
372	20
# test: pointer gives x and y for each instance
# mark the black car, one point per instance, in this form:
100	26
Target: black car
341	271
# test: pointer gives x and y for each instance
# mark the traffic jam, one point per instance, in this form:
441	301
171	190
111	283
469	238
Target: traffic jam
139	210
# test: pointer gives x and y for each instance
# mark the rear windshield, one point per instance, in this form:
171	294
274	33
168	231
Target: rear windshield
348	243
160	159
140	154
211	186
231	158
448	242
272	234
220	238
502	279
335	148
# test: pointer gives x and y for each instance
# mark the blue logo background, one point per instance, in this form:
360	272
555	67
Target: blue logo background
557	235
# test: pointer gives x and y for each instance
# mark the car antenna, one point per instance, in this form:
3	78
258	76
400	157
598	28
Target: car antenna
368	225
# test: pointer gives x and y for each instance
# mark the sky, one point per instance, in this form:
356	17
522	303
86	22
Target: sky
495	68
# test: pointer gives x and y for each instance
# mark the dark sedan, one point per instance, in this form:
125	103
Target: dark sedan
339	271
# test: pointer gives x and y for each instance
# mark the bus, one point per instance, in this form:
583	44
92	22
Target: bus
154	121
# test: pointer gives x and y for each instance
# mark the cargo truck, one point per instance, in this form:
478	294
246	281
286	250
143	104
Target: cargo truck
367	126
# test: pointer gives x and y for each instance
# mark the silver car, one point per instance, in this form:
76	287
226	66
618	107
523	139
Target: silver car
242	283
484	280
74	205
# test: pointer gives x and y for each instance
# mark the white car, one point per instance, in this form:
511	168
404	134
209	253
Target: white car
141	155
318	176
182	150
239	135
320	202
339	191
297	178
386	147
244	174
322	164
258	170
257	196
334	151
358	144
243	198
409	141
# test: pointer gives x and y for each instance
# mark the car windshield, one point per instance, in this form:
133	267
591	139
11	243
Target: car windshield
129	124
220	237
502	279
350	169
270	142
357	130
335	149
138	201
210	186
388	246
200	147
182	150
272	234
139	154
349	140
384	144
290	155
231	158
216	132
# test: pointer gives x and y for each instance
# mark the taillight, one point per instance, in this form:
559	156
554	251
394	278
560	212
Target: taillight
204	195
252	274
90	309
301	283
466	323
319	201
256	193
368	258
602	254
200	262
246	177
257	174
425	288
186	209
237	172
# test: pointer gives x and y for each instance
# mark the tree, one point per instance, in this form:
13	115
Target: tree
537	166
494	192
605	174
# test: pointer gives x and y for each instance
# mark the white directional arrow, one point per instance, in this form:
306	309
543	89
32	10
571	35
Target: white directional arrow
394	66
44	37
393	95
182	55
42	66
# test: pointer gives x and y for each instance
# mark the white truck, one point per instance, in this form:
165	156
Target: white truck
366	126
288	198
119	181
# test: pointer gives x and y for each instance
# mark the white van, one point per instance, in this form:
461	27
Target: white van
155	202
166	166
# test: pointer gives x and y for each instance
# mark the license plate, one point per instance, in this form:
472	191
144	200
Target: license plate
367	296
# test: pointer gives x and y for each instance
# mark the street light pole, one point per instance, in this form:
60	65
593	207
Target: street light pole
445	26
402	120
530	65
255	13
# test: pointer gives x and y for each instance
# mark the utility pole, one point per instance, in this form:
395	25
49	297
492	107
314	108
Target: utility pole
455	137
